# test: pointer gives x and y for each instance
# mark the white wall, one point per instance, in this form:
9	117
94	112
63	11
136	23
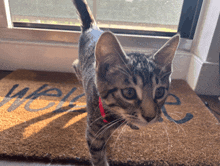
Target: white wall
205	28
59	57
37	56
213	55
203	75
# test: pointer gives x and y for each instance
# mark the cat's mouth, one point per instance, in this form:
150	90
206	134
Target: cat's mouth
139	123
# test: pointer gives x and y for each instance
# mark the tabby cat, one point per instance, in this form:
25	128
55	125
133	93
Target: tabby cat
129	88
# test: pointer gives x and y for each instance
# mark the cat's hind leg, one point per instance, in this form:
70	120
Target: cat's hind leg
76	69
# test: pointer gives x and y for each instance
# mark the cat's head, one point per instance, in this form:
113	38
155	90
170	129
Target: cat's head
134	86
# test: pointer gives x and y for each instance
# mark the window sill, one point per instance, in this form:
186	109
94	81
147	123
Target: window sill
57	37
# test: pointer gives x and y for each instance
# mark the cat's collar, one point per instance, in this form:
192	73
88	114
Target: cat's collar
103	114
102	111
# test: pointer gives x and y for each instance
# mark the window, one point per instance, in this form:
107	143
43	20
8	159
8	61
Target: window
56	21
147	15
44	12
143	17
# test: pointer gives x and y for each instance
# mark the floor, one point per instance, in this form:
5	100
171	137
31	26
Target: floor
20	163
212	102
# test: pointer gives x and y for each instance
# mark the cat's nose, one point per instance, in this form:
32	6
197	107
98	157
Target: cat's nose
148	119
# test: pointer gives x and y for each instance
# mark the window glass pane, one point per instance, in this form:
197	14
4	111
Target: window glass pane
45	11
148	15
156	15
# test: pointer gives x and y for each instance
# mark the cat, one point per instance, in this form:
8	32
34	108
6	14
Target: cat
120	89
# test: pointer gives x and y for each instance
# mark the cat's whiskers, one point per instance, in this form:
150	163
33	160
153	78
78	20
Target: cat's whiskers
105	128
131	117
95	120
108	124
98	117
100	132
178	112
165	128
96	109
178	124
113	133
120	132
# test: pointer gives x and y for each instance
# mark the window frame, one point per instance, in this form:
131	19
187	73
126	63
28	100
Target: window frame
189	18
70	34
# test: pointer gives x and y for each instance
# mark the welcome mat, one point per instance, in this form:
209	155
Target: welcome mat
42	116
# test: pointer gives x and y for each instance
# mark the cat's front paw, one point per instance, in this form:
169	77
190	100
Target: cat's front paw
105	164
99	161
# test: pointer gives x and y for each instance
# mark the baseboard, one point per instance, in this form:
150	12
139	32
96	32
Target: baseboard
209	80
203	77
194	71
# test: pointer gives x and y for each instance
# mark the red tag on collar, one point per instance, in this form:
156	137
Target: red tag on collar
102	111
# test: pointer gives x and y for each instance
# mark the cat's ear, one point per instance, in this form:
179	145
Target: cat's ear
109	50
164	56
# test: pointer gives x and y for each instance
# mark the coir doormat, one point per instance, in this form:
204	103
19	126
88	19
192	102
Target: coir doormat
42	115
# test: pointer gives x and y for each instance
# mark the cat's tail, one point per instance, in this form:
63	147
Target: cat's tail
85	14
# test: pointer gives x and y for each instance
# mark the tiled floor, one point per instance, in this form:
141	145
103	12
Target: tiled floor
212	102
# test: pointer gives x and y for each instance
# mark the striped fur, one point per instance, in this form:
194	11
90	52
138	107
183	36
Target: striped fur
133	87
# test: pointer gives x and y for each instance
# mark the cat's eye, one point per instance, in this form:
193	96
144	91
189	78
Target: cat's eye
129	93
159	93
